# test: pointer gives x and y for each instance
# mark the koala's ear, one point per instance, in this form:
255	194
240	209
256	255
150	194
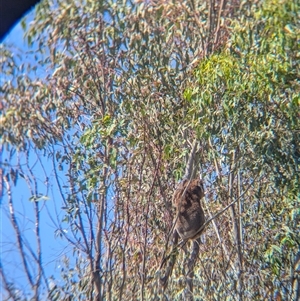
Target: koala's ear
200	183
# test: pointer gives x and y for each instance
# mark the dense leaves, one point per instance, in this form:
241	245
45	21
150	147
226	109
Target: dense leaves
123	90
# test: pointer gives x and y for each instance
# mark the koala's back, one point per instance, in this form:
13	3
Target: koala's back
188	208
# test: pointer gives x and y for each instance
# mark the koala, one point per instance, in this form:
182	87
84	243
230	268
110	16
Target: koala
189	213
189	217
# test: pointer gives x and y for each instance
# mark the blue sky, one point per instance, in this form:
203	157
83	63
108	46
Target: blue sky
52	248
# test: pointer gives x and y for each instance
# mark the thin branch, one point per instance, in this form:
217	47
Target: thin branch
7	285
219	237
213	222
236	226
190	166
39	251
18	233
217	33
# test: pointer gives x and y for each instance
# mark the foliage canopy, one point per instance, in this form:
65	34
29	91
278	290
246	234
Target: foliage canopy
124	89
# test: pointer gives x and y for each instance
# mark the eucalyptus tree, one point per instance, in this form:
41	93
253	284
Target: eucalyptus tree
126	89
